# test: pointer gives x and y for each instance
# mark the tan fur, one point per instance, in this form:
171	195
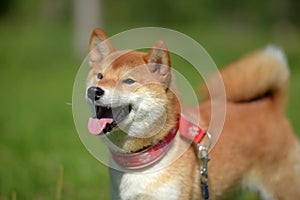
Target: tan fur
257	148
253	75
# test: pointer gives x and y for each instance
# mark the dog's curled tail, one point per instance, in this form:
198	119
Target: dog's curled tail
261	74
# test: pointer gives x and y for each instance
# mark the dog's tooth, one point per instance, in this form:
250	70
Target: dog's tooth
93	110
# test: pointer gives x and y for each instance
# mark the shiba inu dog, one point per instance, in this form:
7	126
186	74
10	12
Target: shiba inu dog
140	115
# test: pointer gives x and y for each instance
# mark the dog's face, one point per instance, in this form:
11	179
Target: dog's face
127	89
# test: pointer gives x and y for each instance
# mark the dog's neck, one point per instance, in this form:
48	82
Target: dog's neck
145	157
152	154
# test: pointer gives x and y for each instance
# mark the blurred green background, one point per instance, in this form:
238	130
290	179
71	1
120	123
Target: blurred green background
41	155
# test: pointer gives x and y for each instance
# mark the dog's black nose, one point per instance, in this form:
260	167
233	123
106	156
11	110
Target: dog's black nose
94	93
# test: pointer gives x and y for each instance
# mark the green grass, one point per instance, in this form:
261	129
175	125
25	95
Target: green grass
41	154
38	137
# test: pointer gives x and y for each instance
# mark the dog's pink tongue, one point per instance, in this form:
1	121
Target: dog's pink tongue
96	126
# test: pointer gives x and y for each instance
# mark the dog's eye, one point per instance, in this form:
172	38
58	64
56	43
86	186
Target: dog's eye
99	75
128	81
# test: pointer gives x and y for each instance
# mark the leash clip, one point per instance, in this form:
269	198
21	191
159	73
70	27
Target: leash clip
203	156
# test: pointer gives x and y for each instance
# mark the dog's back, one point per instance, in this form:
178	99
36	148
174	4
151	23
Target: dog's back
257	147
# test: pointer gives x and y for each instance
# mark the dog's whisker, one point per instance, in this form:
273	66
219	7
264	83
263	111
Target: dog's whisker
69	103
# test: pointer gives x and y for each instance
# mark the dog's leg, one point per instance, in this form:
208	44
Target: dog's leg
278	181
285	181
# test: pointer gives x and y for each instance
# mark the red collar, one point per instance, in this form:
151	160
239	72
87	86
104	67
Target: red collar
153	154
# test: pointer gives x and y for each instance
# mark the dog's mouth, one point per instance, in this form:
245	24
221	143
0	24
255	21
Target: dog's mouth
107	118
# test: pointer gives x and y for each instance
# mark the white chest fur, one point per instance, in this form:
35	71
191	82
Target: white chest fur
156	182
142	186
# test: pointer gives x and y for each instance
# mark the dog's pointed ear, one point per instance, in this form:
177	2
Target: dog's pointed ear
158	60
99	47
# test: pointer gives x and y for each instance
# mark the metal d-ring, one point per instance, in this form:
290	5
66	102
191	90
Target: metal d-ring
207	133
203	149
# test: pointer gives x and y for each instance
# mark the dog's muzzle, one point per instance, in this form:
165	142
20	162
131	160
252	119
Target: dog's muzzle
105	116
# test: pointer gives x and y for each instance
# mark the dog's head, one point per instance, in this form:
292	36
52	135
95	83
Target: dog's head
128	90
